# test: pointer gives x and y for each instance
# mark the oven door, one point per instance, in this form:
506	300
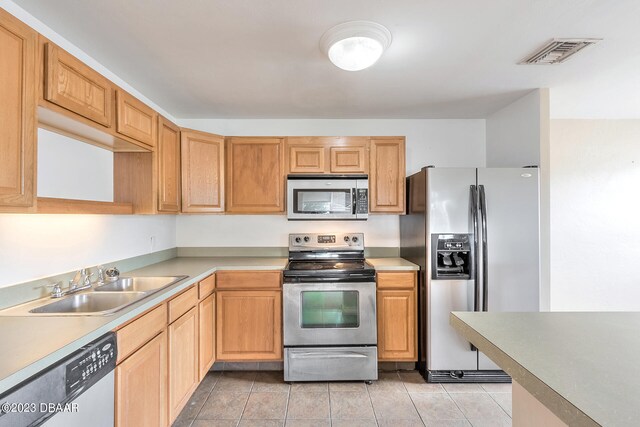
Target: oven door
327	314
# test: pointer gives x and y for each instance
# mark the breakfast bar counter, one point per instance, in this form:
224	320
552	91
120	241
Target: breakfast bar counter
567	367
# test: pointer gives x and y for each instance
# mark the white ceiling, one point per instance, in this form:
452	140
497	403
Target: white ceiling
448	59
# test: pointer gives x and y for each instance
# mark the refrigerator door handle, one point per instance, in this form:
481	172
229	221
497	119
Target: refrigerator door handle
474	216
476	284
485	257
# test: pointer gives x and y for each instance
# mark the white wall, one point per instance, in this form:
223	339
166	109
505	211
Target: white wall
71	169
35	246
444	143
513	133
41	28
595	200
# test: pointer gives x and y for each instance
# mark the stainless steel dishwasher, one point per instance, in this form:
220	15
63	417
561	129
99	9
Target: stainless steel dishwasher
75	391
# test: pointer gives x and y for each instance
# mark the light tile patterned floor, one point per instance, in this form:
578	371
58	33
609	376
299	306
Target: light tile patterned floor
397	399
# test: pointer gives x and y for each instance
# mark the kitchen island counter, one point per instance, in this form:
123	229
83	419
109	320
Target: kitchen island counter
582	367
31	343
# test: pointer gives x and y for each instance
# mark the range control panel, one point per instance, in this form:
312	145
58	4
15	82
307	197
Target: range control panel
326	241
92	364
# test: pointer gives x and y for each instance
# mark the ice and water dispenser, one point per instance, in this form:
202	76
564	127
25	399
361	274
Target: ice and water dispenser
451	256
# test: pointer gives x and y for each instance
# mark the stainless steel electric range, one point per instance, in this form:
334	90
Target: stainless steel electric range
329	295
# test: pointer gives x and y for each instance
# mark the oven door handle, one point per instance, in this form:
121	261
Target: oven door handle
321	355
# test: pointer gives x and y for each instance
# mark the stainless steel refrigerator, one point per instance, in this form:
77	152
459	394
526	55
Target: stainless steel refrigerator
475	234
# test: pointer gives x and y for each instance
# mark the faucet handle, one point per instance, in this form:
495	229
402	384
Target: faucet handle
56	291
112	274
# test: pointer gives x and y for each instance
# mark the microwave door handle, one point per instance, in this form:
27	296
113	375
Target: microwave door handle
353	201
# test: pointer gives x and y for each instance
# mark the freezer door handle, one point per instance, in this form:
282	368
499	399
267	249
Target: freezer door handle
485	256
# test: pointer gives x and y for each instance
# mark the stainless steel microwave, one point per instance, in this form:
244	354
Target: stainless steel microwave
327	197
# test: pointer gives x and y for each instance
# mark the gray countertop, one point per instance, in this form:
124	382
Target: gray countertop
30	344
582	366
392	264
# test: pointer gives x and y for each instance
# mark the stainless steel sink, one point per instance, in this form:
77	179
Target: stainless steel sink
148	285
90	303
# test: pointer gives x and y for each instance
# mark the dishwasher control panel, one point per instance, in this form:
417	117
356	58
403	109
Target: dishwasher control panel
97	359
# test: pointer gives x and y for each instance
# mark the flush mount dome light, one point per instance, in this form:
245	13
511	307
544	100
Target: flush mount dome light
355	45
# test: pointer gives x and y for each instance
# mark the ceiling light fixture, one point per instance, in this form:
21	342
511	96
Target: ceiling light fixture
355	45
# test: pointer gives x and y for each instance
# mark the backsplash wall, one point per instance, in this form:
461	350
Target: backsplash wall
36	245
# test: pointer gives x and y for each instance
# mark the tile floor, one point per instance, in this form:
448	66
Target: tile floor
397	399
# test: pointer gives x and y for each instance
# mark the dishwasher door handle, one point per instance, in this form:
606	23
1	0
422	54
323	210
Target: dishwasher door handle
325	355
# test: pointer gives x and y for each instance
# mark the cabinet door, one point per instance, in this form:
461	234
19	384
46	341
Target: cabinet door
249	325
134	119
141	386
168	153
17	112
207	333
183	361
72	85
255	175
387	176
202	172
305	159
348	159
397	325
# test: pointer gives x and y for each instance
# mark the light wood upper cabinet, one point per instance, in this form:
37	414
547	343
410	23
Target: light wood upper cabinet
183	361
349	159
141	386
202	172
306	159
397	308
17	112
248	325
72	85
134	119
255	175
168	155
387	175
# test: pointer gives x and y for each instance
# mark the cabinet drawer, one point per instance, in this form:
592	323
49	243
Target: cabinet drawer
134	119
182	303
405	280
248	279
72	85
135	334
206	286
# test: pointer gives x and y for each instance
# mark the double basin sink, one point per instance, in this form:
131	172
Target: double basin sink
101	301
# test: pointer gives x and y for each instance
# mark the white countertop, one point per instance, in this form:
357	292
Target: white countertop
582	366
392	264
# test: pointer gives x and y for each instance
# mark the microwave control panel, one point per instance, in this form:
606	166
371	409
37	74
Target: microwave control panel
362	201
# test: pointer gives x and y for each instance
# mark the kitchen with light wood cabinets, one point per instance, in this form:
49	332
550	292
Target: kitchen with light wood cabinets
17	113
255	175
203	170
397	316
249	316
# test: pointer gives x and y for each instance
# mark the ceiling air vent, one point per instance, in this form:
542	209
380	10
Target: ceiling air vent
557	51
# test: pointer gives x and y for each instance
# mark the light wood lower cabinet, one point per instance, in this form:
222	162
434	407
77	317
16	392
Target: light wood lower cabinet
397	307
183	361
17	112
207	334
249	325
141	386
